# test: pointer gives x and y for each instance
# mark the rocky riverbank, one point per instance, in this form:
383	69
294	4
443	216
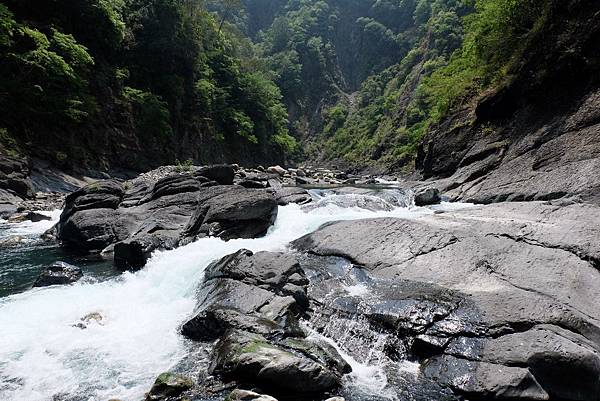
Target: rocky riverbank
485	302
489	302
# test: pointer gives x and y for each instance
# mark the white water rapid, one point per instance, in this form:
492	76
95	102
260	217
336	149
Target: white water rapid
44	357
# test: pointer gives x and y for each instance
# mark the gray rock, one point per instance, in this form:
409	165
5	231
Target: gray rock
277	170
483	379
137	217
233	212
250	357
223	174
251	303
59	273
519	319
262	293
245	395
428	196
15	177
28	216
305	181
287	195
531	159
252	184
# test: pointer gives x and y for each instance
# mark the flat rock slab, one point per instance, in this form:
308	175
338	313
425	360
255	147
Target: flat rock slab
526	276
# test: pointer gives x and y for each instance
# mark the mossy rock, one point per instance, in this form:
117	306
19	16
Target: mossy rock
169	385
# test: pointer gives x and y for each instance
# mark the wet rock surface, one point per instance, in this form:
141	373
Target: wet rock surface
168	386
252	304
427	196
494	302
59	273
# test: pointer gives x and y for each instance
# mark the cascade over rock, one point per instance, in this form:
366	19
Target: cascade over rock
497	296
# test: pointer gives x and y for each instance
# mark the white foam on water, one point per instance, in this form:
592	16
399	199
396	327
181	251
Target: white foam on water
43	355
414	368
29	228
368	376
356	290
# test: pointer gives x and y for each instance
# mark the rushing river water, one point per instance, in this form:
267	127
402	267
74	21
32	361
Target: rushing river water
44	356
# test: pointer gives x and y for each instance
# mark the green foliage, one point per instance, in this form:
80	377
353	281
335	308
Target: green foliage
162	69
151	113
495	33
185	166
369	76
44	74
460	48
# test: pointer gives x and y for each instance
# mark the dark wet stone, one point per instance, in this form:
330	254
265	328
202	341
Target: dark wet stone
251	358
262	293
222	173
428	196
59	273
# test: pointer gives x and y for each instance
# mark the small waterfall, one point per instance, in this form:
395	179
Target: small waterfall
381	370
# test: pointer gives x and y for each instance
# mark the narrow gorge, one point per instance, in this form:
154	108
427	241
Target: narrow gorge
261	200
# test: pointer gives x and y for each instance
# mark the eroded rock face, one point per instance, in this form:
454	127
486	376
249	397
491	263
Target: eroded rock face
137	217
14	176
531	139
497	302
263	293
59	273
251	303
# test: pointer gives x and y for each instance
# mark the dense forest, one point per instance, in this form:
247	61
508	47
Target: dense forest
133	83
138	83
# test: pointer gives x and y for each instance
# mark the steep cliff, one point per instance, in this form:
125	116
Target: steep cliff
537	134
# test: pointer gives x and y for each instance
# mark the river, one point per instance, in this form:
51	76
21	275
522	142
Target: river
45	356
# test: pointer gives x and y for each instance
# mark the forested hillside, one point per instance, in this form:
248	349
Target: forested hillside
355	83
364	81
132	83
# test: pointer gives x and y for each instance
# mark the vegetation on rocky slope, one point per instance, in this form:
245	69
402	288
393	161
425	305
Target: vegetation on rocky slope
90	80
144	82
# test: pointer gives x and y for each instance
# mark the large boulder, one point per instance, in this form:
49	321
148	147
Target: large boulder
264	293
287	195
14	176
427	196
163	211
222	174
277	170
495	301
235	213
251	303
59	273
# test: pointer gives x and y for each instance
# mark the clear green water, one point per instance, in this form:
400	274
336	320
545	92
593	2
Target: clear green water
22	263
